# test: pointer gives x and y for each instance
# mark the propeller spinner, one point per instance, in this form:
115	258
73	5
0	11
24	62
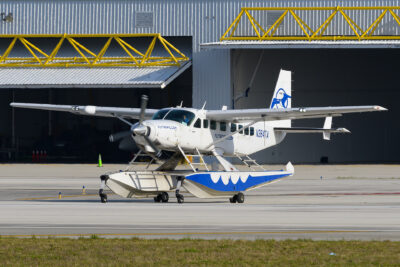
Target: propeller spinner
138	129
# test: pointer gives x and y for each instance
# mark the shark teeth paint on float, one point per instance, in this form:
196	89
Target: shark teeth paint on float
214	184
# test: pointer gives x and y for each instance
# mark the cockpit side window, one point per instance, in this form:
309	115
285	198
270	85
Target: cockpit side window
197	124
182	116
160	114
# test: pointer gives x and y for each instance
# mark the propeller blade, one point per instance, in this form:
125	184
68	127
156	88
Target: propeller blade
142	130
143	106
128	144
118	136
156	150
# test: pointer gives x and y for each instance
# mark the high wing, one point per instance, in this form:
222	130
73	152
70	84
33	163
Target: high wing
132	113
286	114
310	130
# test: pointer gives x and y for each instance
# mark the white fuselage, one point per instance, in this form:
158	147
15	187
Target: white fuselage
201	133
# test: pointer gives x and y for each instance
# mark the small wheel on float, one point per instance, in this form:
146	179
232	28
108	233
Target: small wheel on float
103	196
240	198
157	198
164	197
180	199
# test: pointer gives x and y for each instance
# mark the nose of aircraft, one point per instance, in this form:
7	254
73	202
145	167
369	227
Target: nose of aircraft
140	130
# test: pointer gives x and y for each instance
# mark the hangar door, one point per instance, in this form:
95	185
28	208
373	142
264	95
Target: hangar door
327	77
102	70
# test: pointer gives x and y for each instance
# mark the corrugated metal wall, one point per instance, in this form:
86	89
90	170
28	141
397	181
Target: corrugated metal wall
205	21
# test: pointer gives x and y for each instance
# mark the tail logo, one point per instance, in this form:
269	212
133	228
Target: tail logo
281	99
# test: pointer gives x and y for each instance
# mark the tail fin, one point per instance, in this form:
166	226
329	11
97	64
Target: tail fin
282	97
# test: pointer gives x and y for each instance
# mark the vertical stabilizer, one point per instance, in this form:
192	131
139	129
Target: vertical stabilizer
282	97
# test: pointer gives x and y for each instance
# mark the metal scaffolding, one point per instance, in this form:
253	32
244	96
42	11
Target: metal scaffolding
307	32
85	57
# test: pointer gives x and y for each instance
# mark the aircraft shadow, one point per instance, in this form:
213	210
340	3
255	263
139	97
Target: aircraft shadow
123	201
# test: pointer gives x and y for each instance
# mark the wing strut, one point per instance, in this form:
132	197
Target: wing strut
123	120
226	164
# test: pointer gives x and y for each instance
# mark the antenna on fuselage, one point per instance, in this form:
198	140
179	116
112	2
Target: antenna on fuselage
204	105
180	105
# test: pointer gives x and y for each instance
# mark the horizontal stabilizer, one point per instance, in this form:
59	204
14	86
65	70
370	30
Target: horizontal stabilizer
326	135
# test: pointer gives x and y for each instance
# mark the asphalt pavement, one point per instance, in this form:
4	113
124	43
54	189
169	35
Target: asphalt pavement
319	202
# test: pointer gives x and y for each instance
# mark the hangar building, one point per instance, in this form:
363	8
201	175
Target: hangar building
340	52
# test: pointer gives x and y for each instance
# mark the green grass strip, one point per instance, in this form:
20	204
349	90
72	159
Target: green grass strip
97	251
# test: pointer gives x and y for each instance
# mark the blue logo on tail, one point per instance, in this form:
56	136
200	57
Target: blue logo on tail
281	99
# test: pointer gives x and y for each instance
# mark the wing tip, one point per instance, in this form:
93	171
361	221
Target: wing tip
16	104
343	130
379	108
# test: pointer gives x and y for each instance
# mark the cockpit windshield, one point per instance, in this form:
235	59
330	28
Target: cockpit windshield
160	114
182	116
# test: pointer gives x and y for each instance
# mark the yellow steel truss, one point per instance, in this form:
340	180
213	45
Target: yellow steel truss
85	57
309	34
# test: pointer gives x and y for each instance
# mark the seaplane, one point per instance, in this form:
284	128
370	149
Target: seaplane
189	134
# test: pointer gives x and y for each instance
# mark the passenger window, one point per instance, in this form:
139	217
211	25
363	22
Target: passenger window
197	124
205	124
213	125
233	127
251	131
222	126
241	127
246	131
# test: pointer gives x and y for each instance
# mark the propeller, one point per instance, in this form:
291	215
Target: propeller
126	142
143	130
138	128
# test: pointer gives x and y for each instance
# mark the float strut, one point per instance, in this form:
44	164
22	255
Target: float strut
179	196
103	196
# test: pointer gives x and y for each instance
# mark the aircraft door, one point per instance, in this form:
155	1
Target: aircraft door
223	130
196	134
